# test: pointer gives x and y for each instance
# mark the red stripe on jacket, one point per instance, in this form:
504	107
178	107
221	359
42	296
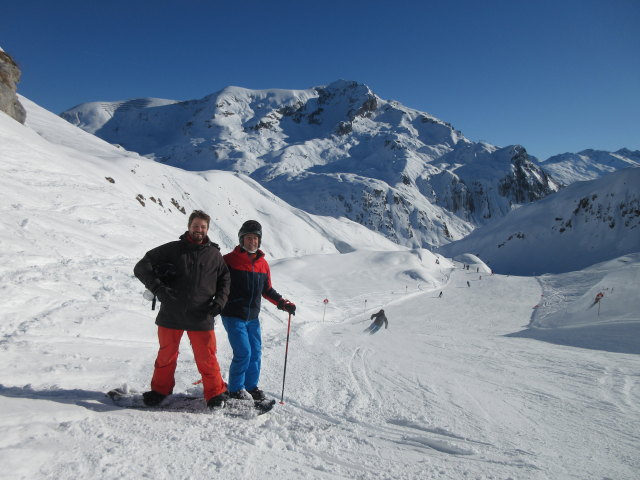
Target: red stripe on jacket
250	281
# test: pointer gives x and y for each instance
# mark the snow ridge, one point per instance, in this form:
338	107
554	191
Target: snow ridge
589	164
583	224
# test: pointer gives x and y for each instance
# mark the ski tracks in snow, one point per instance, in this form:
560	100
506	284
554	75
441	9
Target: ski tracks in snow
479	403
389	448
358	371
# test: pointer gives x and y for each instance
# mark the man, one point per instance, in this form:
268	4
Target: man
190	300
250	280
380	318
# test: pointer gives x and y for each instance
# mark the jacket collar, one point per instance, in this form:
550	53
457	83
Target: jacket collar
241	251
206	243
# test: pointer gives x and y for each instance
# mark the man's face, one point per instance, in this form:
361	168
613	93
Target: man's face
250	242
198	229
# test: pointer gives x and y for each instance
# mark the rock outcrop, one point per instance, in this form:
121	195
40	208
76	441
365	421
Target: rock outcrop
9	77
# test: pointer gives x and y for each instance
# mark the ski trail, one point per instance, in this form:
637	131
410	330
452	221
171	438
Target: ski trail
369	371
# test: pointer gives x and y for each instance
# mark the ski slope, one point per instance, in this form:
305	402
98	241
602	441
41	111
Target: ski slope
447	391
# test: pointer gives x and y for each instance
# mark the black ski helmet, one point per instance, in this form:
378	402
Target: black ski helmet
250	226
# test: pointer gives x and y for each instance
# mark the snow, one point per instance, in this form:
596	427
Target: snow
589	164
93	115
578	299
475	384
583	224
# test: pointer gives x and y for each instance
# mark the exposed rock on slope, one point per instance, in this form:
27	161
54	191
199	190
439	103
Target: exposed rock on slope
9	77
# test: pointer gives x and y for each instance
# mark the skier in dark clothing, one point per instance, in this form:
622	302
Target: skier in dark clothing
250	281
190	299
380	318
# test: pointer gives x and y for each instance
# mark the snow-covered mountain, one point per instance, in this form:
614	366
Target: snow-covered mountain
124	185
589	164
337	150
583	224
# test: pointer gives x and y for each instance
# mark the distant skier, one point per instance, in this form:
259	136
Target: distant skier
468	284
378	319
598	298
440	296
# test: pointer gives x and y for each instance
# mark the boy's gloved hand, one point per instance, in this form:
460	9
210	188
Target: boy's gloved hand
287	306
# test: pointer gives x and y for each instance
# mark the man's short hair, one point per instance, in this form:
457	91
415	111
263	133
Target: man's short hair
199	214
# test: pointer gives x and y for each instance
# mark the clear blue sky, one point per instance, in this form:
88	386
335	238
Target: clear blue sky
554	76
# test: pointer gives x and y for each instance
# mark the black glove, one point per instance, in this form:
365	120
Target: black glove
287	306
213	308
165	272
165	294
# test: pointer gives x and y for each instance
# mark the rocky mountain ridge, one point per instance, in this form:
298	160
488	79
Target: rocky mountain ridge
10	74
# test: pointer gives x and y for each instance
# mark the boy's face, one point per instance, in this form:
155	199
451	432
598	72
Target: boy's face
250	242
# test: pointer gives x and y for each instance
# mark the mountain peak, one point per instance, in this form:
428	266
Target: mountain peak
346	87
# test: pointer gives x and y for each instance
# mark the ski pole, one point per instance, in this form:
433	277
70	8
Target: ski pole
286	353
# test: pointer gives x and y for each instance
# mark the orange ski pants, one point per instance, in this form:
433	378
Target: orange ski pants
203	344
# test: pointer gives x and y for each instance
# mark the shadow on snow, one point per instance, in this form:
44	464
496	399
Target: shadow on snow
91	400
616	338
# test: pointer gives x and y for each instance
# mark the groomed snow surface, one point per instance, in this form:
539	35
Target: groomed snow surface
486	382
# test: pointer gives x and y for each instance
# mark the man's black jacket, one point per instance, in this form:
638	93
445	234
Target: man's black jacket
201	276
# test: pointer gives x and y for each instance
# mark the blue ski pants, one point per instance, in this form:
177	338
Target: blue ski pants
245	338
373	328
